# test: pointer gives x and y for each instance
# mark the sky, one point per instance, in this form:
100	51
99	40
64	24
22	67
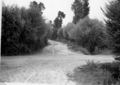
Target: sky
53	6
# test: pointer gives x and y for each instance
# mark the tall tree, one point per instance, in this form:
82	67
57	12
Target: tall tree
33	4
112	12
40	7
80	9
58	23
58	20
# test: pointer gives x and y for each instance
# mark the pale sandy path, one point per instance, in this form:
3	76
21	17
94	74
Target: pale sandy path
49	67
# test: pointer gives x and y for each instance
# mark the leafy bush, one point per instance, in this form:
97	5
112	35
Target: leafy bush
67	31
23	30
90	34
97	74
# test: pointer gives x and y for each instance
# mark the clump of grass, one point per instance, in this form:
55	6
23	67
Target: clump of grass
97	74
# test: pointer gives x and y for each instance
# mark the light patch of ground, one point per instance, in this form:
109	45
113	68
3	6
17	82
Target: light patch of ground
50	66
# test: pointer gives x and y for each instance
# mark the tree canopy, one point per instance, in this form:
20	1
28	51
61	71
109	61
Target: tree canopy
40	7
58	23
58	19
80	9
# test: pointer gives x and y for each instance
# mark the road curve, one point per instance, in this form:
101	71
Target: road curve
47	67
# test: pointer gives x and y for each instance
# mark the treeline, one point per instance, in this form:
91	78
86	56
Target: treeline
87	33
24	31
92	34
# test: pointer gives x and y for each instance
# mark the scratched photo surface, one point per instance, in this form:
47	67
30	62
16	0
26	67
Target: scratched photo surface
60	42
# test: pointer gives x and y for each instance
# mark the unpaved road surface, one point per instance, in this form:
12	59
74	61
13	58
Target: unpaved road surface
47	67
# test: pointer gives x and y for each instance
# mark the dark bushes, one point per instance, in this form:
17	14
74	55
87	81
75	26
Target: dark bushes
23	31
113	68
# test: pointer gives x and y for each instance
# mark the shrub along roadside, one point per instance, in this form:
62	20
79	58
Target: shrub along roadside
97	74
23	31
87	33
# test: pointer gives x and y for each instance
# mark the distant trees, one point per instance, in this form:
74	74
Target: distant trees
80	9
112	13
58	23
23	30
58	19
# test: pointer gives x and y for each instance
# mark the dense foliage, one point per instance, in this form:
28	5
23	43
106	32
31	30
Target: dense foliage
113	24
23	30
67	31
80	9
88	33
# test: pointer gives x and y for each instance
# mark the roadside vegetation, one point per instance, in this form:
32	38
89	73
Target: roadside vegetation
108	35
83	33
24	31
92	35
97	74
89	34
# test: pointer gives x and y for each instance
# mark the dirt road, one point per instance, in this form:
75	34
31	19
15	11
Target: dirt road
47	67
